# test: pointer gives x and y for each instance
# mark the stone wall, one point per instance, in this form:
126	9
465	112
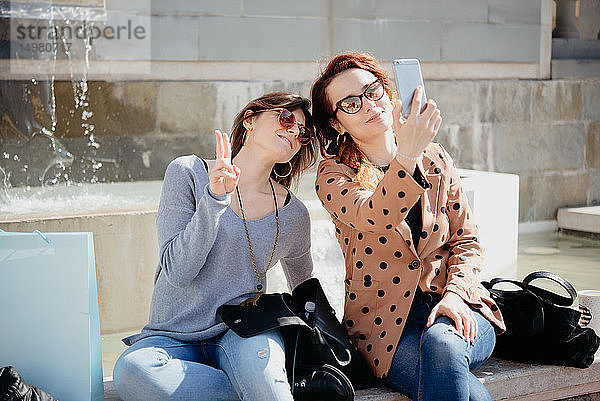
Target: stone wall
547	132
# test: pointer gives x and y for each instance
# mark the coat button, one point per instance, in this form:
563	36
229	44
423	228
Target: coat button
415	264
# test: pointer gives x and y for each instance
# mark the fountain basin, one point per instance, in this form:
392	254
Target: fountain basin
126	247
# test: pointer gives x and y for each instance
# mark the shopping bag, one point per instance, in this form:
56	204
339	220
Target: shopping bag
49	324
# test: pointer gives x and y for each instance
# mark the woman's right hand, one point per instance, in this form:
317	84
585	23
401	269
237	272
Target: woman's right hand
223	176
418	130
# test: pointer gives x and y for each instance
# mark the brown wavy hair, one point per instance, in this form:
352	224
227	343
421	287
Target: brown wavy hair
304	158
345	149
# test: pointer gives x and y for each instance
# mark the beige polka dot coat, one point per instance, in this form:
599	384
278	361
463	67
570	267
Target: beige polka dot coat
383	268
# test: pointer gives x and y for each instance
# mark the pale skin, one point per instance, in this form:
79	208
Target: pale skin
377	128
266	143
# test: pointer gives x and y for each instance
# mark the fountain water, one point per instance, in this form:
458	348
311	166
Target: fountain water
35	153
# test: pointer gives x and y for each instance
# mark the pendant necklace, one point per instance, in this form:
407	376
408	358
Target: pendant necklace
259	278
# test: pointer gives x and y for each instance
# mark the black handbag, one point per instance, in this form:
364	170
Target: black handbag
320	359
14	388
327	339
541	326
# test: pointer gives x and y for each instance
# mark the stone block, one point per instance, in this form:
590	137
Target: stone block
589	19
440	10
117	108
504	101
468	145
524	148
556	100
407	39
542	195
211	7
590	91
594	188
455	99
354	35
132	43
306	8
515	12
141	6
174	37
289	39
485	42
592	149
353	9
186	107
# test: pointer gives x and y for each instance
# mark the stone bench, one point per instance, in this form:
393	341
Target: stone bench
505	381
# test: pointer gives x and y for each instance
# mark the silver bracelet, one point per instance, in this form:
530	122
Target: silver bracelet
407	157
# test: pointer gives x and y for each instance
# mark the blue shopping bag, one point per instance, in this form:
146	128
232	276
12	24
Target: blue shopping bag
49	324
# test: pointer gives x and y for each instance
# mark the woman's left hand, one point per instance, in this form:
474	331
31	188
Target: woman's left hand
453	306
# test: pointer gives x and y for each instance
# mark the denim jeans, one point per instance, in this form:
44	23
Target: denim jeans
226	367
435	363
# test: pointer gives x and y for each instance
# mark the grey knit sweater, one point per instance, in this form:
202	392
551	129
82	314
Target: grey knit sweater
204	256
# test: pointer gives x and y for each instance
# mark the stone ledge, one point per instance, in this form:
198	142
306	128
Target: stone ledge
505	381
584	219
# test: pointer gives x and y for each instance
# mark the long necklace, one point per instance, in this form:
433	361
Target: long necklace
259	278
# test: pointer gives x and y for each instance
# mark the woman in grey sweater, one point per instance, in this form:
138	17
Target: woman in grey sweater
221	225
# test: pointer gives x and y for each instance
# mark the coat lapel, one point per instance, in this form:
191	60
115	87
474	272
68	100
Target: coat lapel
429	202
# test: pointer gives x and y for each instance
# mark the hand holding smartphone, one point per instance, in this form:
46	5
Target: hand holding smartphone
407	73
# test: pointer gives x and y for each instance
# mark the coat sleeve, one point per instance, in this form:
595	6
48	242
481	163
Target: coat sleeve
187	224
374	211
465	252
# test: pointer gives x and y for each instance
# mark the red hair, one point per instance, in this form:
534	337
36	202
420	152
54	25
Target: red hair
346	149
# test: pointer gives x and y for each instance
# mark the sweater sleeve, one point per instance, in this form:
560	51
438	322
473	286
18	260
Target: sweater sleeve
374	211
466	253
298	265
187	223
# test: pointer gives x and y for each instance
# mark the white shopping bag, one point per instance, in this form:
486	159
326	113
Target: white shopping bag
49	324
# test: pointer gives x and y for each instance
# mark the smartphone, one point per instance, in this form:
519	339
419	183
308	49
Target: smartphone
408	76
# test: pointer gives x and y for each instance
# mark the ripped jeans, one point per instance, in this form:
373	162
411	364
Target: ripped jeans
435	363
226	367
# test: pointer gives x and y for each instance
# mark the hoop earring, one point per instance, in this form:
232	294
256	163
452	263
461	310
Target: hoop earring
341	138
283	176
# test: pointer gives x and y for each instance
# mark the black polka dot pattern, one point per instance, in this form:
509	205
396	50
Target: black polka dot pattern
382	240
369	347
396	280
380	293
365	310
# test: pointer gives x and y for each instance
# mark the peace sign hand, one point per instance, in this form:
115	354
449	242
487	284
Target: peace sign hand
223	176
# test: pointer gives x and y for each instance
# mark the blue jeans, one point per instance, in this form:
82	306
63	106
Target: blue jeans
435	363
226	367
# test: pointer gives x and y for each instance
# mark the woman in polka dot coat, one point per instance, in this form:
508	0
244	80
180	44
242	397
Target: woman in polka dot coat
414	304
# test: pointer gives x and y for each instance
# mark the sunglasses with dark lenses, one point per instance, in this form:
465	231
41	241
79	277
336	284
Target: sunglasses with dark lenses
353	104
287	120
